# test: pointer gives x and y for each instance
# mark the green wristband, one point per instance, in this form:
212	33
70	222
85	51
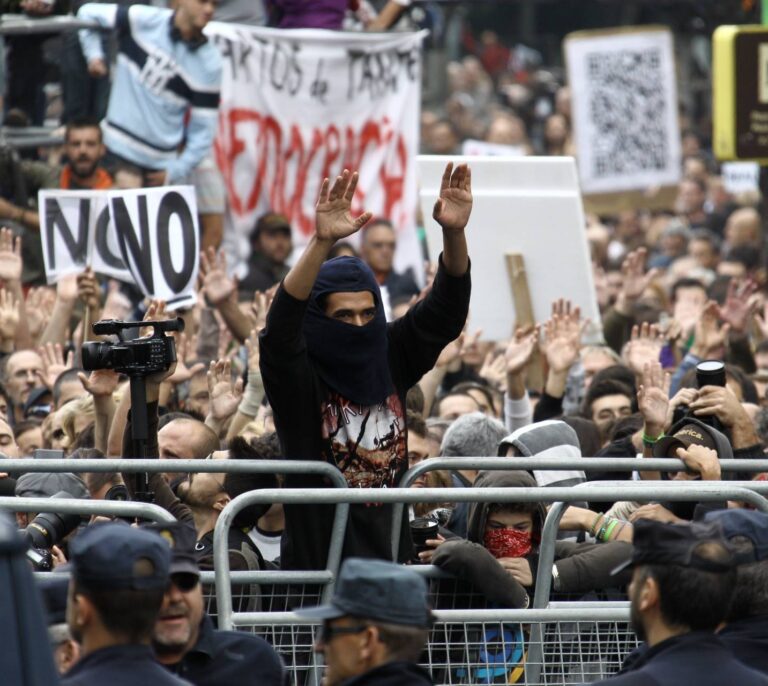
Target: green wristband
652	441
610	529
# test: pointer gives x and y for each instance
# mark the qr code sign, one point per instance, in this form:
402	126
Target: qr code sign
628	112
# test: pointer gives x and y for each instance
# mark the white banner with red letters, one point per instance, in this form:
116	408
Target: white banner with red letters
300	105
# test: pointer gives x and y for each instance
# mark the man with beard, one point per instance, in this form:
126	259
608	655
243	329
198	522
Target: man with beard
119	576
336	374
184	637
682	584
84	150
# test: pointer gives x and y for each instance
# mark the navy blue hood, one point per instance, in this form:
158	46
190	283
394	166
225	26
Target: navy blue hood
351	360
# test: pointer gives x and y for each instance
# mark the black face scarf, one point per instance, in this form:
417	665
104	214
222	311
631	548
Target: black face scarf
351	360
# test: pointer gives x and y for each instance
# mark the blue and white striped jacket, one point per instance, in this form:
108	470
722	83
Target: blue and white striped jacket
158	79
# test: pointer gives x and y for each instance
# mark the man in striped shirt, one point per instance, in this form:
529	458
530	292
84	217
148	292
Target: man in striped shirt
163	106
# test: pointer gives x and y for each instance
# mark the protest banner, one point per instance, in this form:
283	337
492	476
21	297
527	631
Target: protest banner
148	237
297	106
528	206
624	112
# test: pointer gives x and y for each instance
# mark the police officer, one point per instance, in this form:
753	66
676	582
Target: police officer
682	584
375	627
184	638
119	577
746	629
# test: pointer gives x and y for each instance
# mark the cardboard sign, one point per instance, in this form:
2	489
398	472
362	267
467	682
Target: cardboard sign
148	237
300	105
624	108
527	205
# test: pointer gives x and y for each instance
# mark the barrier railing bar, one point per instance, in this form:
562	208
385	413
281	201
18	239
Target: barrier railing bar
87	507
11	24
586	464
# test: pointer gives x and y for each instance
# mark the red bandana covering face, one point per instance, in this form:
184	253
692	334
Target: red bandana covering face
507	542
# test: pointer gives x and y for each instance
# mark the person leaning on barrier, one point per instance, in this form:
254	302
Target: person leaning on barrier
746	625
375	627
683	579
336	374
119	576
184	637
500	556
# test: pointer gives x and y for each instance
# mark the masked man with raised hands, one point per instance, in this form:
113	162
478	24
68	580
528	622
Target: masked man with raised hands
336	374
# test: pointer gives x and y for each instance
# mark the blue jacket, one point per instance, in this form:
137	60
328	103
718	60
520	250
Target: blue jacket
698	658
230	657
747	639
125	665
159	79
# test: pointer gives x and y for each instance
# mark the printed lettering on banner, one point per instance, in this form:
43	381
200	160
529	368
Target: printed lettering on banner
298	106
157	231
76	231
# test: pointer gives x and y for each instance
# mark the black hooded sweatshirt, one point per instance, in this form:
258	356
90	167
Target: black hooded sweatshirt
308	416
582	567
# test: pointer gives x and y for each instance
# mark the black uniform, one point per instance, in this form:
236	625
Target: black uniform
392	674
697	658
125	665
230	657
747	639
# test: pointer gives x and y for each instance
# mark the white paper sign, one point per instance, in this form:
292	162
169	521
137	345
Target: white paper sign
300	105
474	147
148	237
739	177
526	205
624	109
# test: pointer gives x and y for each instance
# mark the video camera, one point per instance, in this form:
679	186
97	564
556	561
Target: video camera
47	530
138	357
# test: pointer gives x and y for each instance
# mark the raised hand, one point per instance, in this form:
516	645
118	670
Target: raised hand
494	369
224	394
636	280
39	307
562	336
9	315
644	346
520	349
252	346
738	308
709	336
218	286
100	382
333	220
183	372
53	363
262	301
454	204
67	288
653	398
10	257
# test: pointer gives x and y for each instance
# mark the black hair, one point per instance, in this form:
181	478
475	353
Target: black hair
487	391
750	597
588	434
616	372
686	282
82	122
415	423
691	598
415	400
127	613
265	447
744	254
464	394
602	389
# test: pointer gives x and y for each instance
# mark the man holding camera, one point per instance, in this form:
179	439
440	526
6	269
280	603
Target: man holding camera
336	374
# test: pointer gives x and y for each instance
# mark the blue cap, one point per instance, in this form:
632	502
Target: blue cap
748	523
377	590
117	556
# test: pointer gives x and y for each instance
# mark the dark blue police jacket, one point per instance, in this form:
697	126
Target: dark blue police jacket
230	657
698	658
747	639
125	665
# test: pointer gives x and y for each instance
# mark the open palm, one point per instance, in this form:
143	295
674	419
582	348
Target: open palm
333	220
454	205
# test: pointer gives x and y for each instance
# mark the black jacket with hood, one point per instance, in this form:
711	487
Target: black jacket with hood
582	567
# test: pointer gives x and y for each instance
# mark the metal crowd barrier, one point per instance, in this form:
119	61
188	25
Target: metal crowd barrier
585	464
16	24
111	508
562	644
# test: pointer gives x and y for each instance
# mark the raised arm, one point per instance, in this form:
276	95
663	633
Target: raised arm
333	221
451	211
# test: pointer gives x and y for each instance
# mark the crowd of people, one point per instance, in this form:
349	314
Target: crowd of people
335	356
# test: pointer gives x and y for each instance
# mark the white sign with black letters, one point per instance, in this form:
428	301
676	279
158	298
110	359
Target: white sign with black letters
148	237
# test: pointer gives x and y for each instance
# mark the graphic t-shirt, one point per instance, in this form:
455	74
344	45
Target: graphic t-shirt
367	443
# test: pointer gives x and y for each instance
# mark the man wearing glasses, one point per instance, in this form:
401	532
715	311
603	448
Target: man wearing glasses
375	627
184	637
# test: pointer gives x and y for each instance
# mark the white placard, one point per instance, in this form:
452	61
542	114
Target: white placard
474	147
624	109
527	205
159	240
739	177
148	237
300	105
